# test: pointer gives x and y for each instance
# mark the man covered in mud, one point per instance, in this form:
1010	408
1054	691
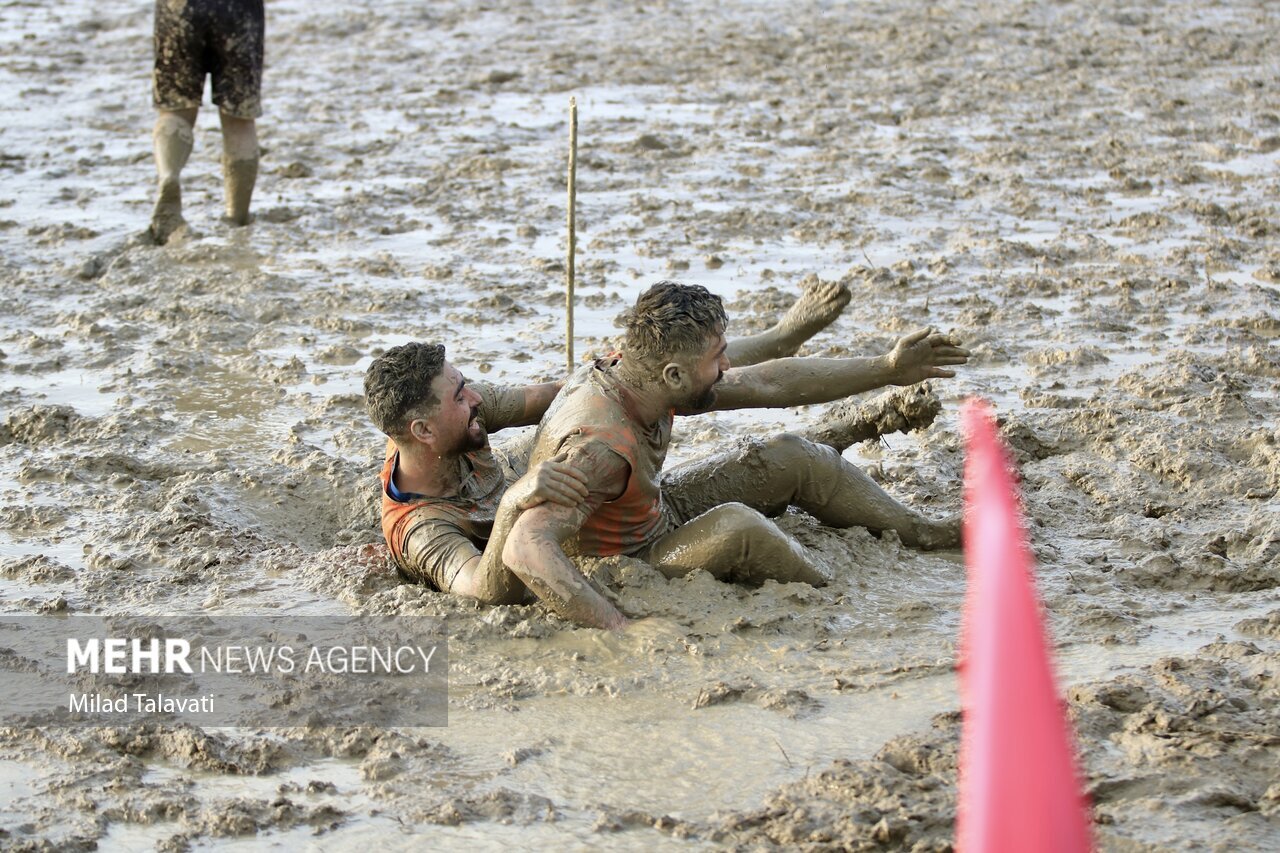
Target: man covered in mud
612	422
223	39
449	496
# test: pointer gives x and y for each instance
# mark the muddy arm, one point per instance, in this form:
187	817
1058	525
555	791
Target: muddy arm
485	577
534	550
505	406
537	398
924	354
819	304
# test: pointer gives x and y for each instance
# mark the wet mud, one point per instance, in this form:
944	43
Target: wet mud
1086	196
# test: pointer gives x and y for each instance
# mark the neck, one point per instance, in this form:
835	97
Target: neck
644	396
424	473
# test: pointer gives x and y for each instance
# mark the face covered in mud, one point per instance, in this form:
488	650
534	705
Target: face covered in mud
454	427
705	372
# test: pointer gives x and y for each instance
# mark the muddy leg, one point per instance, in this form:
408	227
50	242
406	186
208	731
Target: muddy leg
819	304
239	166
172	140
734	542
899	410
787	470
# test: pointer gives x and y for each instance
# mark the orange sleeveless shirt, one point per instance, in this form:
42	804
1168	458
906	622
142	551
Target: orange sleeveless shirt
592	406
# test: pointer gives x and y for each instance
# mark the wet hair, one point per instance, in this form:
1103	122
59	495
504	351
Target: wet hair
671	319
398	385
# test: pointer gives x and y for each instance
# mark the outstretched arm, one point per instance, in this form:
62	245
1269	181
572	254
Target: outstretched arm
534	550
504	406
924	354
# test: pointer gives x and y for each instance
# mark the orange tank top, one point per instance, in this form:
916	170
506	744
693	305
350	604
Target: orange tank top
593	406
395	515
473	513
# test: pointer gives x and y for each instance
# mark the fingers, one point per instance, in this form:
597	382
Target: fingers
569	472
938	339
562	496
947	350
564	493
562	484
915	337
941	373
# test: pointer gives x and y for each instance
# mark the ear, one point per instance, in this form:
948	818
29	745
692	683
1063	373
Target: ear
674	376
421	431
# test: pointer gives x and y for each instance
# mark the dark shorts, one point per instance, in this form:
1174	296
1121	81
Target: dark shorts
221	38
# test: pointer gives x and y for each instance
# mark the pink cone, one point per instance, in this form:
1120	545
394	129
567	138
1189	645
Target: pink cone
1019	784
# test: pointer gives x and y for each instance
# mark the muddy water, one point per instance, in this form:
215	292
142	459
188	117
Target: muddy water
1088	197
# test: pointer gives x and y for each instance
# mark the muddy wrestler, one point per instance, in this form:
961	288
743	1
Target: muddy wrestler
448	495
612	422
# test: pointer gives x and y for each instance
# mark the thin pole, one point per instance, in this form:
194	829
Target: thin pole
568	288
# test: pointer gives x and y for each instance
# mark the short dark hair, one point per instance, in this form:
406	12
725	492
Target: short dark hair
671	318
398	384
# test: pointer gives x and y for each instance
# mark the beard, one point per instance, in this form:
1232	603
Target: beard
475	438
707	397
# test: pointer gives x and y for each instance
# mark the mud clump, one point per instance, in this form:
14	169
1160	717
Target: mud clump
1264	627
43	424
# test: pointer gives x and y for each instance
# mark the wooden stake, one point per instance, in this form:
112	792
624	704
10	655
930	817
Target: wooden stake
568	289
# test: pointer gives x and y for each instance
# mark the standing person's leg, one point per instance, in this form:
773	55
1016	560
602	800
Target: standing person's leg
237	47
177	87
239	166
172	140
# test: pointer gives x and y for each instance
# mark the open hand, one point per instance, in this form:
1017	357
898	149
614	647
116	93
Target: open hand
553	481
925	354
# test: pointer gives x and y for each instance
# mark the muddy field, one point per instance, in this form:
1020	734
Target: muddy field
1089	198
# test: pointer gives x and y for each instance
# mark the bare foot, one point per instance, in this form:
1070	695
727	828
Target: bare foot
898	410
819	304
932	535
167	216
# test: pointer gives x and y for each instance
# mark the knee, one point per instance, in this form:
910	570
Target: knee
735	520
799	457
744	530
497	587
759	550
240	137
174	125
787	449
509	591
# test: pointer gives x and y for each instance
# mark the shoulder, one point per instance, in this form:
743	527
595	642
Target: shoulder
430	513
590	446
